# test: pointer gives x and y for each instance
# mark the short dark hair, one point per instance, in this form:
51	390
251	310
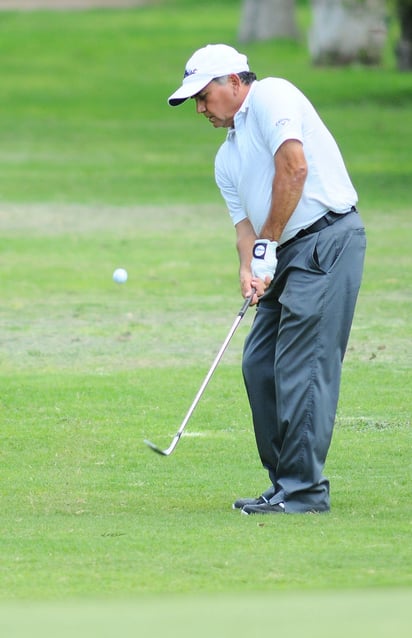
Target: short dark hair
246	77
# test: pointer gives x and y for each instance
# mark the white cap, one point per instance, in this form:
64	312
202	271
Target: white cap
206	64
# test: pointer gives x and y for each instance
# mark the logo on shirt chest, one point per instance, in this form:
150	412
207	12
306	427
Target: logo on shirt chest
283	121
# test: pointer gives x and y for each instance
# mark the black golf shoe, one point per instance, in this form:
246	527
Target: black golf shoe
246	502
260	500
263	508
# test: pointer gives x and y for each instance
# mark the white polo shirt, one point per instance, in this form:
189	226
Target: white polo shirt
275	111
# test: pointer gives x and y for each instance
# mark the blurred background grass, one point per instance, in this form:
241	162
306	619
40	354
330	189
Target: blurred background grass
84	114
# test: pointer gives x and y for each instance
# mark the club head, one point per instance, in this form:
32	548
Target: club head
155	448
168	450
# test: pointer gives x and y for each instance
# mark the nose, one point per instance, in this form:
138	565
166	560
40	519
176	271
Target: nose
200	106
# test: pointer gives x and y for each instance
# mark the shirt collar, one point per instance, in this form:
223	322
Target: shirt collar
241	113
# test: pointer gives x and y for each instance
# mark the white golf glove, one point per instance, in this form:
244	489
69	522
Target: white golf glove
264	259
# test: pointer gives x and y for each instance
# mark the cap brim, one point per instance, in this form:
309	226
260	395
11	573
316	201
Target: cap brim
189	88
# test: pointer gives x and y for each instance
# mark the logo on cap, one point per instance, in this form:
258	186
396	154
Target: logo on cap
189	72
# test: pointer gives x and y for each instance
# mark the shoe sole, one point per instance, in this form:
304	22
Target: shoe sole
271	509
246	502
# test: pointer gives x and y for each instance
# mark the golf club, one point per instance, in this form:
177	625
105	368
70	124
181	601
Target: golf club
213	367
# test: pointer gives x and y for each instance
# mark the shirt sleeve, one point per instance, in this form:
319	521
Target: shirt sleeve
276	105
226	185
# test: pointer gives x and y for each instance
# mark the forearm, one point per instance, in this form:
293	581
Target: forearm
244	247
245	240
285	198
287	188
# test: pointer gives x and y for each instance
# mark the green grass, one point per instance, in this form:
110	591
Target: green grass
84	117
97	172
380	614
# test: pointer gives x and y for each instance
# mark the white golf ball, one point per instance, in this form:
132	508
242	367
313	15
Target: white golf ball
120	275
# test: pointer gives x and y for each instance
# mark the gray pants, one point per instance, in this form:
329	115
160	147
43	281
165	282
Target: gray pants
293	357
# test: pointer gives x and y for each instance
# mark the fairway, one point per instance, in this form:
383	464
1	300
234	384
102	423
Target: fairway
97	173
379	614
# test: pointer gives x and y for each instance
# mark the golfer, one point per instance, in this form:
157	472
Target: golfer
301	246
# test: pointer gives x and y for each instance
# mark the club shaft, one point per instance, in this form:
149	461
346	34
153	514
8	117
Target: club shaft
209	375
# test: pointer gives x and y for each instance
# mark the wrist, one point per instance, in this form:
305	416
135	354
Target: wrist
269	233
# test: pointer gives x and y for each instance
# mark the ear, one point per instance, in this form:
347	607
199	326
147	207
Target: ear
235	82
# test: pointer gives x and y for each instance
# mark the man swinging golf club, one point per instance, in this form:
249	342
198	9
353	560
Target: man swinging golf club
301	246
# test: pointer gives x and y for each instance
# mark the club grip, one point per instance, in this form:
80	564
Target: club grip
246	303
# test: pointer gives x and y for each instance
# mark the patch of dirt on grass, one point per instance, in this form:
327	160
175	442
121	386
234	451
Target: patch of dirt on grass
53	220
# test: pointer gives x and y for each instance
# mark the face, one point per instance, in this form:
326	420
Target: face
219	102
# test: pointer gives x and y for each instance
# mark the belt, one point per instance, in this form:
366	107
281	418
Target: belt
327	220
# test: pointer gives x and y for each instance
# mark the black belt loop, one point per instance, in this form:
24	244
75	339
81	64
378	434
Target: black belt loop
327	220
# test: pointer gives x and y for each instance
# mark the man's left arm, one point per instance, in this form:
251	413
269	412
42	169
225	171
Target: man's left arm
290	175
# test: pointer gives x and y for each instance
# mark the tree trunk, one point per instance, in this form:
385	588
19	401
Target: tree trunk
347	31
267	19
404	46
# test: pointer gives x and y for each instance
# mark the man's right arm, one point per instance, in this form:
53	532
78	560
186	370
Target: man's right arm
245	240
